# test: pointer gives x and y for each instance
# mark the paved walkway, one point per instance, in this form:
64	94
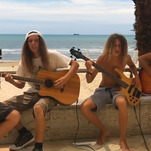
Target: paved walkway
136	143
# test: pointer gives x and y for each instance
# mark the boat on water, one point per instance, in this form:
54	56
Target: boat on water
75	34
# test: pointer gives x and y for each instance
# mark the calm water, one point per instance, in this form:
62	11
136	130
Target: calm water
11	44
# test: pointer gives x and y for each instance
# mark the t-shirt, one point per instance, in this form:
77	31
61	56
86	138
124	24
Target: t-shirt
56	59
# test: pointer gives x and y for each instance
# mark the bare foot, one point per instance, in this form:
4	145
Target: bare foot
124	146
102	138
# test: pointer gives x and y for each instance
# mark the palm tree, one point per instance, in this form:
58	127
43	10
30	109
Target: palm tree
142	26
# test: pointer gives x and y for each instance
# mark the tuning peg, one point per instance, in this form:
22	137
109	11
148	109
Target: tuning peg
75	59
78	49
71	56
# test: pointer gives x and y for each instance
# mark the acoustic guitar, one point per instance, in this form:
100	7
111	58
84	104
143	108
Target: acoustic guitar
145	81
65	95
132	94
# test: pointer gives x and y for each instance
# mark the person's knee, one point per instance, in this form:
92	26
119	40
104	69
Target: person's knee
37	110
18	116
120	101
85	106
15	116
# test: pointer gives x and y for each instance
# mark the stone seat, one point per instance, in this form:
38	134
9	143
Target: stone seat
66	122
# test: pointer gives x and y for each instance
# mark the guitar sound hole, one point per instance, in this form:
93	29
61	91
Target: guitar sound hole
49	83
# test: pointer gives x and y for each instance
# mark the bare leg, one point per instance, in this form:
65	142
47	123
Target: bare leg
11	120
39	124
19	126
123	119
91	116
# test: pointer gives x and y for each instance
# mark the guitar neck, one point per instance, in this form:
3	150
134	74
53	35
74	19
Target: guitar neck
25	79
115	78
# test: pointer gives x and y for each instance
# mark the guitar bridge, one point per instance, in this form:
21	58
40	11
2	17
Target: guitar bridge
62	88
134	97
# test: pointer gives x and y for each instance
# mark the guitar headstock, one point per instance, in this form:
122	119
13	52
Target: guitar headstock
76	53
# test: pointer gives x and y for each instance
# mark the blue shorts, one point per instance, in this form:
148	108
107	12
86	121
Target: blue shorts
103	96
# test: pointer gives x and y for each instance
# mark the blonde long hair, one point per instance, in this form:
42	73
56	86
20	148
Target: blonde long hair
27	55
110	44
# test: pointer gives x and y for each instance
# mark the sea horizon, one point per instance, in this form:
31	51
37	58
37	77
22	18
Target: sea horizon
89	44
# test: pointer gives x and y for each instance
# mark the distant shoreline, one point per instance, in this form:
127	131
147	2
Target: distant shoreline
1	34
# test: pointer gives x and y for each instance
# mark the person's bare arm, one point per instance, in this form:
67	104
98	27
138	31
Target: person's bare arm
73	69
143	60
133	69
16	83
92	72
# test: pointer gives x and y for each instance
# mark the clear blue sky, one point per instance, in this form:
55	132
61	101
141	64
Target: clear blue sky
67	16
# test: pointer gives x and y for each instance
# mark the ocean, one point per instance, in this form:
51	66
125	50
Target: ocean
89	45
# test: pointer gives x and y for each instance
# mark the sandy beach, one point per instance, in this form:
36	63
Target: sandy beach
8	66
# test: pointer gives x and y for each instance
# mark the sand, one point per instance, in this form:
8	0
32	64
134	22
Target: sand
8	66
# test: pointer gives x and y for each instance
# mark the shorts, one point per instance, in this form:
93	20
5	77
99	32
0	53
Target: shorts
5	110
29	100
103	96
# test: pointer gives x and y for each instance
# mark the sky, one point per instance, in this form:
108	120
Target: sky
67	16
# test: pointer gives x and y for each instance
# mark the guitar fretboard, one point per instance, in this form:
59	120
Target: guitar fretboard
25	79
116	79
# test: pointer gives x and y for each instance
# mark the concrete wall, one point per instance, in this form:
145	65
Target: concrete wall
62	122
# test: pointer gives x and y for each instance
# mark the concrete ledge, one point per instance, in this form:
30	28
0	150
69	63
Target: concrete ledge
62	122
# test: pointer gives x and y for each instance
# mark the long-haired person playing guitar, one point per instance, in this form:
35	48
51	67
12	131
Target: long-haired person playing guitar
114	56
35	57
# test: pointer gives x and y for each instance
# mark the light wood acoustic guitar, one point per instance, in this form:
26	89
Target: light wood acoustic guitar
145	81
65	95
132	94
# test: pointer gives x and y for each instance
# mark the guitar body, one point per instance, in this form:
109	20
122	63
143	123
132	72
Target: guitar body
132	94
66	95
145	81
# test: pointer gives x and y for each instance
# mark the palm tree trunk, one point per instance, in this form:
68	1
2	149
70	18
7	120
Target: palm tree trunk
142	26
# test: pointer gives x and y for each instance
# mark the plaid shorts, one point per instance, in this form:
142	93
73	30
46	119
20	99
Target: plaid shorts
28	100
5	110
